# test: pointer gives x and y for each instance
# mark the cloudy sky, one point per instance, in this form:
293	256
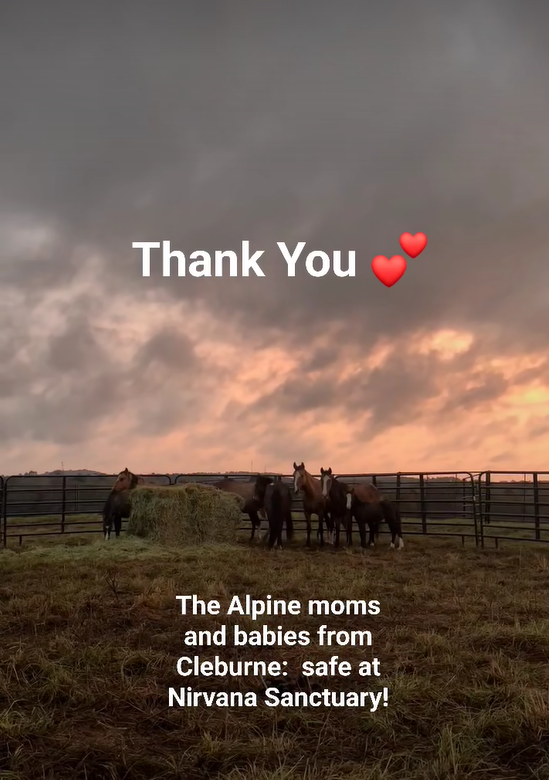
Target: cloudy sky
339	124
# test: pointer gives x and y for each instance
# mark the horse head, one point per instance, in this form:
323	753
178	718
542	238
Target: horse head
299	476
326	477
126	480
261	483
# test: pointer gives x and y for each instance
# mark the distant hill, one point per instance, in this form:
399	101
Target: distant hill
67	472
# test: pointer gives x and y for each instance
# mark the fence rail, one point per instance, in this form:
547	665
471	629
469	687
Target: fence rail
486	506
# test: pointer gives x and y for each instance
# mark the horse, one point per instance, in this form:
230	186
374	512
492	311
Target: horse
336	493
278	505
314	503
370	507
117	505
361	501
252	493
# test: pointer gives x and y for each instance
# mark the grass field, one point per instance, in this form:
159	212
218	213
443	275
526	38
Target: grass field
90	635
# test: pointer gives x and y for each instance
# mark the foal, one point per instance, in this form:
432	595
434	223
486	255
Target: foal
314	503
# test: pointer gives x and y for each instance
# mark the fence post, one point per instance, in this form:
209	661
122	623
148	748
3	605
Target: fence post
488	501
479	499
536	507
422	504
4	511
63	503
471	477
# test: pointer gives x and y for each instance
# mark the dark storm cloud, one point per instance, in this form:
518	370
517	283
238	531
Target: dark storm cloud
60	386
207	124
75	348
489	387
393	393
170	349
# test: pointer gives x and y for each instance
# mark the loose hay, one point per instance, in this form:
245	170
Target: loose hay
190	514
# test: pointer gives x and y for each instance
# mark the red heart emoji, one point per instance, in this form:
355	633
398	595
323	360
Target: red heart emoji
413	245
389	271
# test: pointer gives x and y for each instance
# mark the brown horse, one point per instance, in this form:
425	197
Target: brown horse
369	507
117	505
314	503
252	493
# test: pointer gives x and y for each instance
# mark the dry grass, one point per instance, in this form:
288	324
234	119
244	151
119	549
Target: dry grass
184	514
89	638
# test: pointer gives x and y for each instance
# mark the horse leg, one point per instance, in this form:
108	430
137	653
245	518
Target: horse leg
289	525
349	528
117	524
395	526
308	521
256	523
362	531
371	535
337	529
272	530
321	527
253	528
330	526
398	526
279	526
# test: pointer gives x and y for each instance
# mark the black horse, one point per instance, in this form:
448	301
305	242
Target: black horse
278	506
335	493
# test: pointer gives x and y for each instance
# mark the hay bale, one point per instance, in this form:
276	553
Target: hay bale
184	514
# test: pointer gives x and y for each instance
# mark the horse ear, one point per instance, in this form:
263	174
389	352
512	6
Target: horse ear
295	466
302	465
330	471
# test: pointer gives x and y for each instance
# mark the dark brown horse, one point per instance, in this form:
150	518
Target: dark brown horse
278	506
314	503
336	494
366	504
369	507
253	494
363	502
118	504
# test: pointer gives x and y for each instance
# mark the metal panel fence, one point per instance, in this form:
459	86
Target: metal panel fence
476	507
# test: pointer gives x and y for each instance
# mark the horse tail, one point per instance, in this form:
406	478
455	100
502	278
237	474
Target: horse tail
275	513
276	502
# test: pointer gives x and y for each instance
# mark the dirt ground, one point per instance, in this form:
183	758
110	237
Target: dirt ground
90	634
